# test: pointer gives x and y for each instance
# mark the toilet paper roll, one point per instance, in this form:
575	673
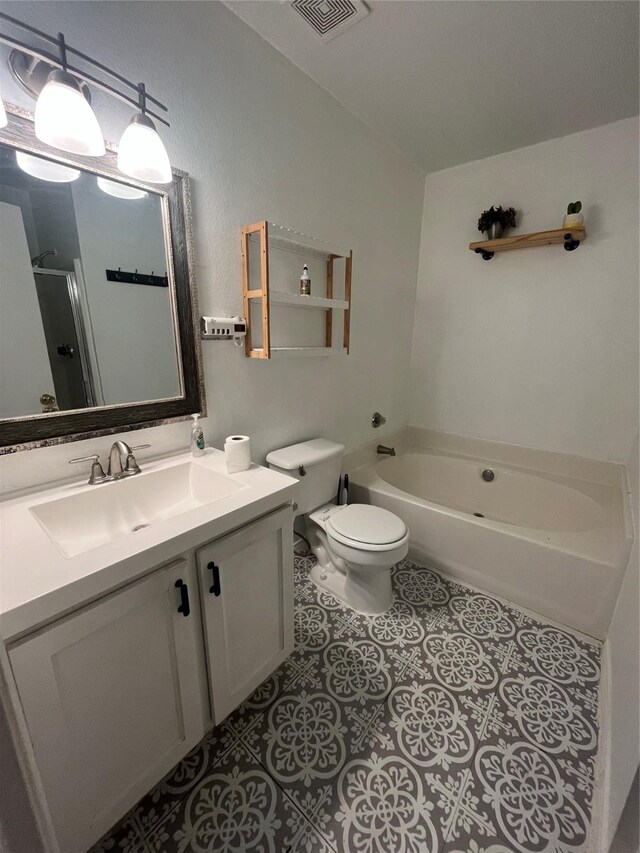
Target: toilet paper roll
237	451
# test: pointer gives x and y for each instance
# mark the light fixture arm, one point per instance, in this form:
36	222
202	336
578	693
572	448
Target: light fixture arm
63	51
62	61
142	98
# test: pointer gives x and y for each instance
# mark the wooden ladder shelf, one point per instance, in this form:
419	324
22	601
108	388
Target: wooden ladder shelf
272	237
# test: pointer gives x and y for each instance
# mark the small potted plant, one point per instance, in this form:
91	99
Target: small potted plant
573	218
496	221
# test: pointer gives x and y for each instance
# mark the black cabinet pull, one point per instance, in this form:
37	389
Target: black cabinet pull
215	588
184	598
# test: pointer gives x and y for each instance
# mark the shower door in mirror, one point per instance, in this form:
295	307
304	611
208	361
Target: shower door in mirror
87	306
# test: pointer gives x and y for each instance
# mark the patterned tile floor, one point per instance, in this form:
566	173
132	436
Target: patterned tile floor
452	723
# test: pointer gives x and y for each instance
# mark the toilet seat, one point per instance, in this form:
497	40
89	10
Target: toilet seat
367	528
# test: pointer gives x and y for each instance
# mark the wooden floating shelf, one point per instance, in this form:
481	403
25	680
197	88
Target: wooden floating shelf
297	300
571	237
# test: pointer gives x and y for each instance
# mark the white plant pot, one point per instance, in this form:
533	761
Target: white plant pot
573	220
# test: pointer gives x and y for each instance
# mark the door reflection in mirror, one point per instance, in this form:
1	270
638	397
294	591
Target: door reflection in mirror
65	337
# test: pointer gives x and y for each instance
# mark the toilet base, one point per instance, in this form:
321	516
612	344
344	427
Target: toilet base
367	591
359	579
329	579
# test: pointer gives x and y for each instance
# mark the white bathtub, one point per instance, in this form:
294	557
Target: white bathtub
551	544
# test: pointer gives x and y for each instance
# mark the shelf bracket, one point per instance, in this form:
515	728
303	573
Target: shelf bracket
486	256
569	243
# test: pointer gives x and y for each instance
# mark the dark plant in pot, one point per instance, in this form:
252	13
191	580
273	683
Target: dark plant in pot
495	221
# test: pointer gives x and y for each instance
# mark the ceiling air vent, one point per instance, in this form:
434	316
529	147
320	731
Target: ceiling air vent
330	18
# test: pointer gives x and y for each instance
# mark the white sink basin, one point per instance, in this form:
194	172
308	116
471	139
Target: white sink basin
80	522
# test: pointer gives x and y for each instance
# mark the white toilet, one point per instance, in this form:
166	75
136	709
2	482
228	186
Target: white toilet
355	545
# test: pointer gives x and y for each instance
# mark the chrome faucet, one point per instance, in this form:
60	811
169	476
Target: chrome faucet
387	451
119	450
121	453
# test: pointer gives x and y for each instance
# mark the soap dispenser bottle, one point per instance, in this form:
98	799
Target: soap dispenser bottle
305	282
197	437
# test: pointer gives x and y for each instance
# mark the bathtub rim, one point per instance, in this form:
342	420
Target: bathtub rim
564	483
570	465
366	476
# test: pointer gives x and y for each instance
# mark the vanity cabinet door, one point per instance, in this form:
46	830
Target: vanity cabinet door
111	696
246	584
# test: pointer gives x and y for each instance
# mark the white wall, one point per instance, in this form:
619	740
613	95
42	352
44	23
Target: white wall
132	324
624	659
537	347
260	140
25	371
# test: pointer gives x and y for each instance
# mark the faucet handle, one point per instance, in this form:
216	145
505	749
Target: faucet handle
131	465
97	474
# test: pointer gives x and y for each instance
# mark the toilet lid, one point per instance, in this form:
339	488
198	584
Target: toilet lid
369	525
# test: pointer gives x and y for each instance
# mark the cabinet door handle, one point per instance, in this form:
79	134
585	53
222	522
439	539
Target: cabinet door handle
184	598
215	588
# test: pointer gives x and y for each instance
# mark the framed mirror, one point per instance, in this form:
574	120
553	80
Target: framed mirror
98	303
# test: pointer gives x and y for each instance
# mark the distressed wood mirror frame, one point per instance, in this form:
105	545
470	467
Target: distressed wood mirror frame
27	432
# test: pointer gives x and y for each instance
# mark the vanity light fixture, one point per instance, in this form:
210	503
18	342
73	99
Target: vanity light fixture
63	115
141	153
46	170
118	190
64	119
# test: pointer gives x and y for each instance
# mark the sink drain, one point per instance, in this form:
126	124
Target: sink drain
138	527
479	514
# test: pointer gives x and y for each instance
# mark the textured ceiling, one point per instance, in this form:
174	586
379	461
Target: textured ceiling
450	81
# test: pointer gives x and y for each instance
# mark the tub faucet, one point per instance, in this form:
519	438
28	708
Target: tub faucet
387	451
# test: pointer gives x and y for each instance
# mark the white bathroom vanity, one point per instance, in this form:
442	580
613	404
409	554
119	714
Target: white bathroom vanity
136	614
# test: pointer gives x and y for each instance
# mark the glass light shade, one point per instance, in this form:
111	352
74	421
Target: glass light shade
118	190
3	115
64	119
45	170
142	154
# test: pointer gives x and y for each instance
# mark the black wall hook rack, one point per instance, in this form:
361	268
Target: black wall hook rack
136	277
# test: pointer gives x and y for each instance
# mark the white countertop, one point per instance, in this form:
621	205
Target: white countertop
39	584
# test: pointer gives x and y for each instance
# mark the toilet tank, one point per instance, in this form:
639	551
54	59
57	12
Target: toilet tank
320	460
